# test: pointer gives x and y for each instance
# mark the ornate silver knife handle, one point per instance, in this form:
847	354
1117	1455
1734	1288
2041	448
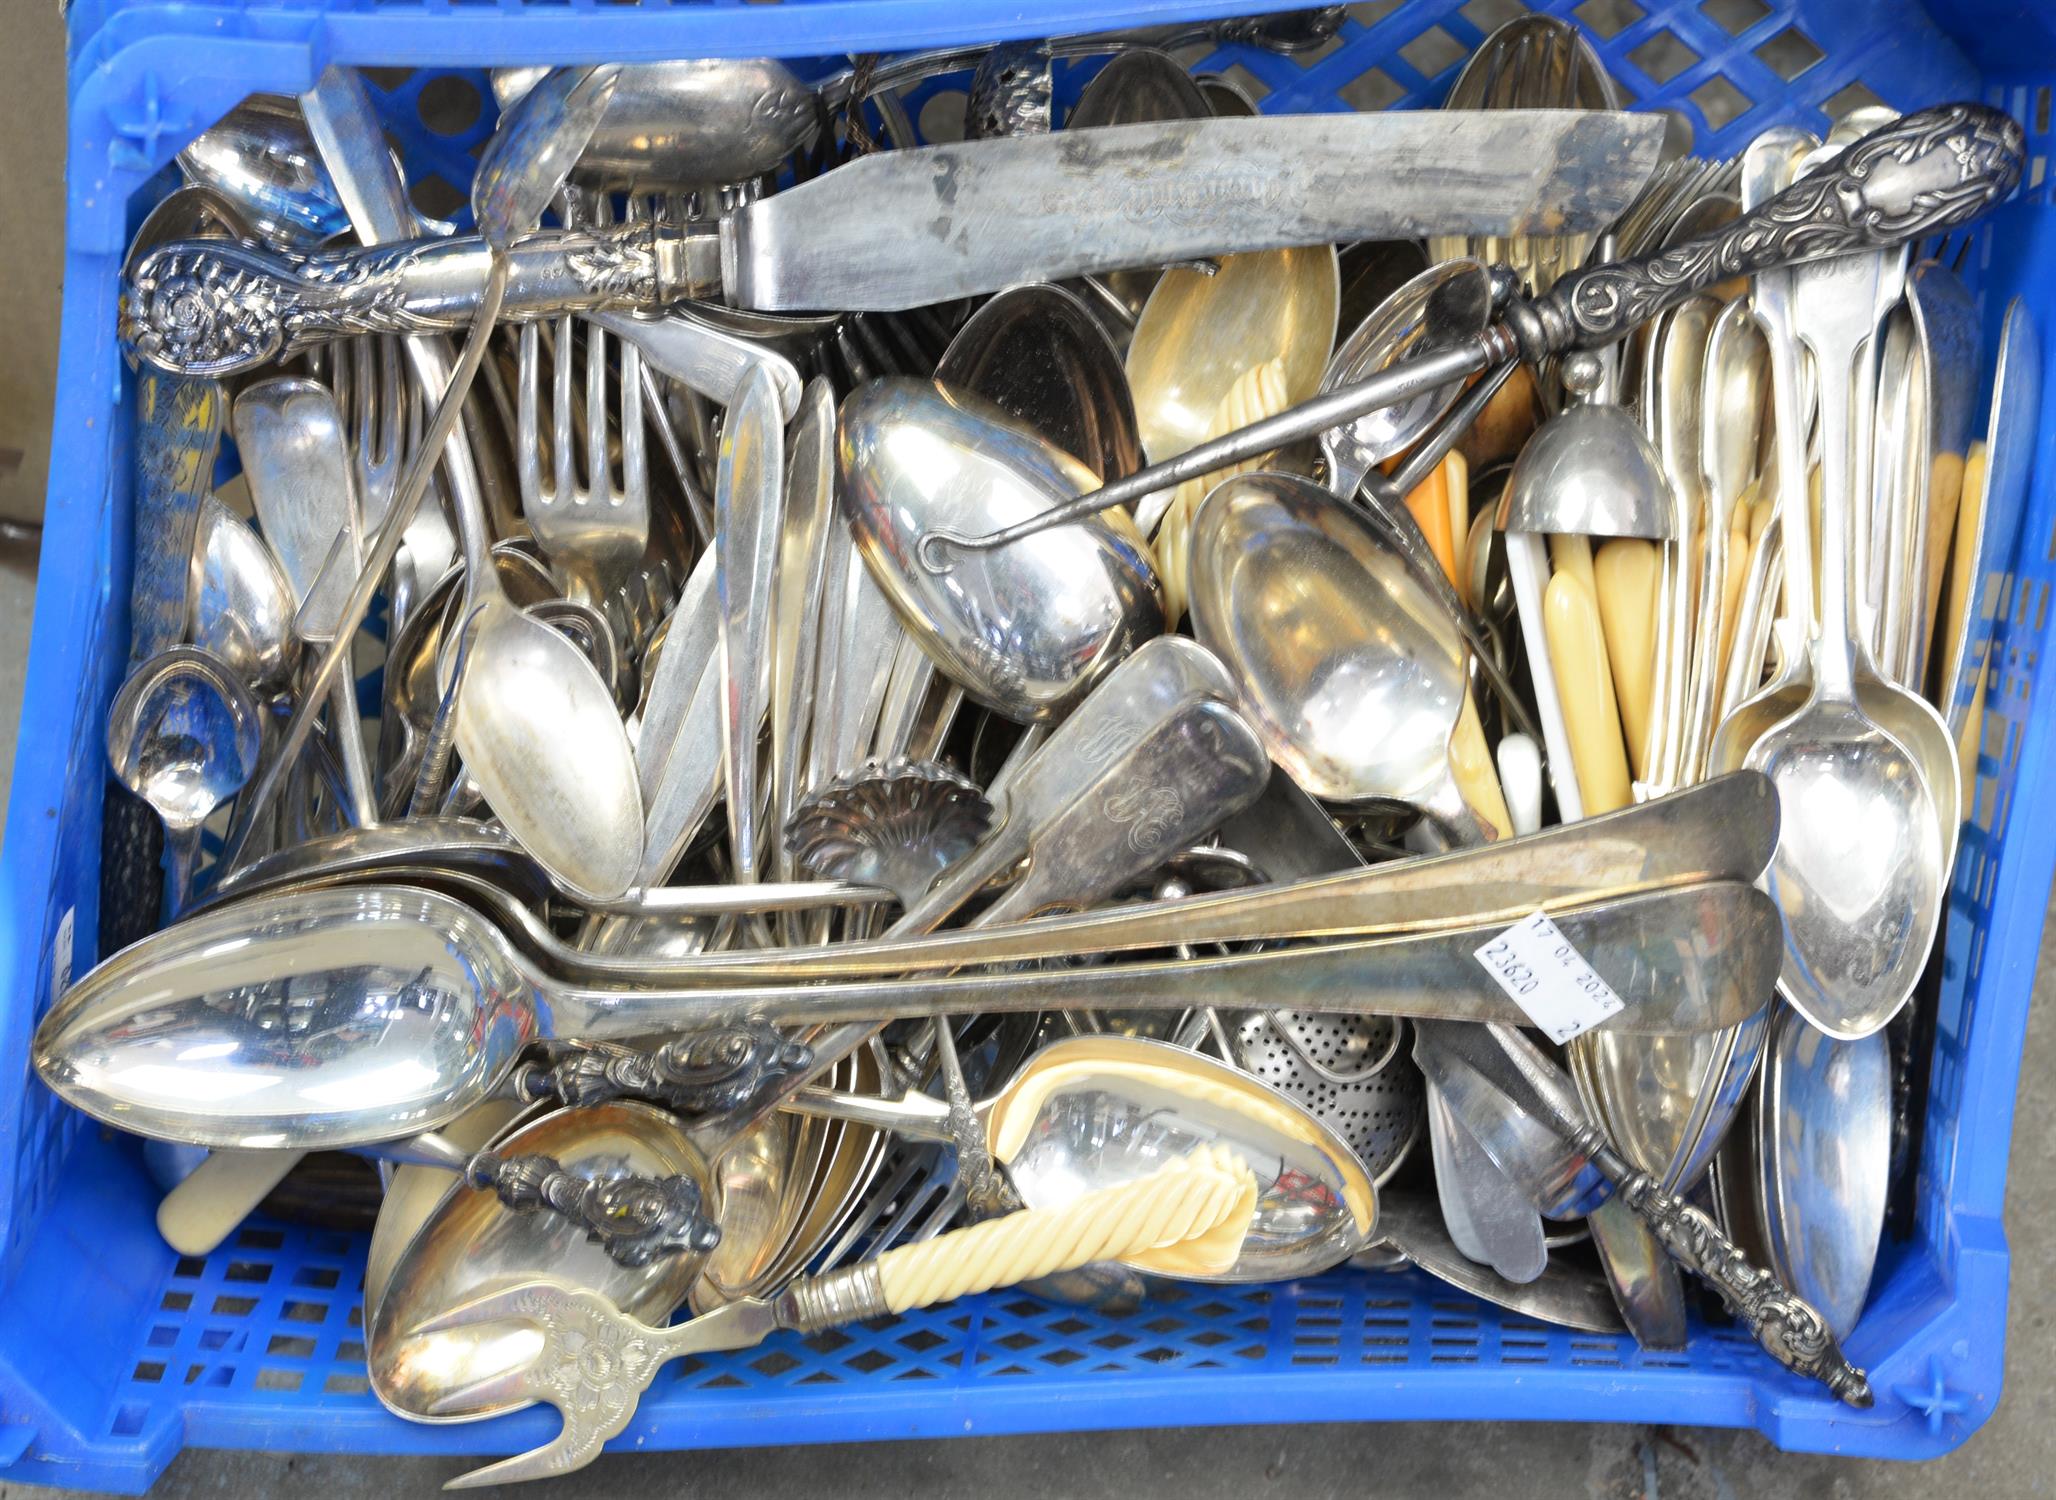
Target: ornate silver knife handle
1788	1327
1923	173
219	307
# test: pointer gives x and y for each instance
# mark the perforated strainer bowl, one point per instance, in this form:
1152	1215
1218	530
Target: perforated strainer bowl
1349	1071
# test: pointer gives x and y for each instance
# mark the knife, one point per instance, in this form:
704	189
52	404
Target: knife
1522	1110
905	228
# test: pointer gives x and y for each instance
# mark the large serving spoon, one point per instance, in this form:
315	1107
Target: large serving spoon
171	1038
1724	830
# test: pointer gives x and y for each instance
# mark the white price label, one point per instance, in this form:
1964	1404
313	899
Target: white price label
1543	973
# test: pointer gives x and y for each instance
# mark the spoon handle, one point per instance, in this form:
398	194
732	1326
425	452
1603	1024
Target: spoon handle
1922	174
1643	945
1201	1204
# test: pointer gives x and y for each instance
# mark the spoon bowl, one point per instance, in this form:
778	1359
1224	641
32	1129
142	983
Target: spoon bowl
239	603
1026	630
1198	334
1137	87
1038	354
1348	667
1859	876
538	729
538	140
1090	1112
470	1242
260	158
1441	306
183	735
1825	1144
690	123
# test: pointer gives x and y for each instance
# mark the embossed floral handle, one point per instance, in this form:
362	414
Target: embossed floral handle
638	1219
1790	1329
634	1219
219	307
1923	173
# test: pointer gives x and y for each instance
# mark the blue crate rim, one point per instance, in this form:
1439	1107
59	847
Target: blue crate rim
137	84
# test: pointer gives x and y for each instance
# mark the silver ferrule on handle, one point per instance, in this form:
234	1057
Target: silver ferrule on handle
846	1296
220	307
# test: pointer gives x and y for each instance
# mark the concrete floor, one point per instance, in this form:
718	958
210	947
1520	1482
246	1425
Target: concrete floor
2015	1454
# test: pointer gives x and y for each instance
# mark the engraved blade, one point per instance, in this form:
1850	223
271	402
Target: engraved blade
982	215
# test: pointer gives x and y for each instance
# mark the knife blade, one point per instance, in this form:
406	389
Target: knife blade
975	217
907	228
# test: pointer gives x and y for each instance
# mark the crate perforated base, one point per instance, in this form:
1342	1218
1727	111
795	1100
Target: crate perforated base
114	1353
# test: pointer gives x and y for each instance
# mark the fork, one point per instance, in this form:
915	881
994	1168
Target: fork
587	524
383	413
595	1361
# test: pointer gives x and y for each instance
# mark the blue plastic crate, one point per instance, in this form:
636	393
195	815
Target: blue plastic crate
114	1352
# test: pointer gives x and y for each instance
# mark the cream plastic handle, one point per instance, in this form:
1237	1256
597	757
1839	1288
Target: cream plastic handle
1578	653
1625	581
225	1189
1204	1200
1477	780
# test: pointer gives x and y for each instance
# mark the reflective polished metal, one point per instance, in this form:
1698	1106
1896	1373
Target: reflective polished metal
1036	353
1351	670
693	123
260	158
420	1006
1026	632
